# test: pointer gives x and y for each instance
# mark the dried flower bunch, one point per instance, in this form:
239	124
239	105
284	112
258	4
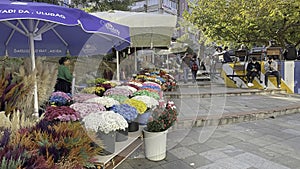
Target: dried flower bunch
105	121
162	119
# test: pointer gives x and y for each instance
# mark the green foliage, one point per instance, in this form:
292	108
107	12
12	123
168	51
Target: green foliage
247	22
162	119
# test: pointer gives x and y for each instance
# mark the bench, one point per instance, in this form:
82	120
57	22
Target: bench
238	70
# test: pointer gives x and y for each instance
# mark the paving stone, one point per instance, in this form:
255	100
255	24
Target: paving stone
197	161
247	147
124	165
215	143
176	164
233	163
258	162
228	140
280	148
231	150
199	148
292	131
142	163
188	141
288	161
214	155
259	142
182	152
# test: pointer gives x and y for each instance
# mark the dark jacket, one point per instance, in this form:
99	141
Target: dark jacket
252	66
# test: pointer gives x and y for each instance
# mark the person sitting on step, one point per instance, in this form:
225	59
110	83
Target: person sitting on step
271	68
253	70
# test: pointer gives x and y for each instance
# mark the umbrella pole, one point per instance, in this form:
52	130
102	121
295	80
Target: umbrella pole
118	66
35	94
135	60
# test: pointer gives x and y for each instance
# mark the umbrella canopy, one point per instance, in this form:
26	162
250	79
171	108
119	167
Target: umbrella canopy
146	29
56	30
40	29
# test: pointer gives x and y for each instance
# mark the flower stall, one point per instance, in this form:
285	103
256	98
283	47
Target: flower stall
93	119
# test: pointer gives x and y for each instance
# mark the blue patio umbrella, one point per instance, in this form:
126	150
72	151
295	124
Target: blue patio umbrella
30	29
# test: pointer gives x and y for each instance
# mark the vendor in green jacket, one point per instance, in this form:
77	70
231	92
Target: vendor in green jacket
64	76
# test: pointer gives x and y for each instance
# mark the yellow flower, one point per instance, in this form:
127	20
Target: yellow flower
139	105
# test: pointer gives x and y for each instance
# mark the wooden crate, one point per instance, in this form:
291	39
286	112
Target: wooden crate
273	51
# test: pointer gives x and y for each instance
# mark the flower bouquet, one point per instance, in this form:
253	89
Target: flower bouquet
81	97
105	101
118	91
149	101
151	85
60	99
105	124
98	90
155	95
86	108
151	104
119	98
139	105
104	121
162	119
127	87
61	113
127	111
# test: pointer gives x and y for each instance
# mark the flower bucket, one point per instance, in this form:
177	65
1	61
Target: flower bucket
122	135
109	141
133	126
155	145
143	118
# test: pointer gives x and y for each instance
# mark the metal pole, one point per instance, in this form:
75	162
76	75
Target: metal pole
118	66
32	56
135	60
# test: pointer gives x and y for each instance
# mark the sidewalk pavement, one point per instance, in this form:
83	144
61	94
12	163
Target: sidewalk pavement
261	142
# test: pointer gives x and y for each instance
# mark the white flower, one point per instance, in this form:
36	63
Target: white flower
149	101
106	101
105	121
135	83
132	89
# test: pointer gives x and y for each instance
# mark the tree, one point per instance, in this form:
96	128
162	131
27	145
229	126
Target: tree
247	21
94	5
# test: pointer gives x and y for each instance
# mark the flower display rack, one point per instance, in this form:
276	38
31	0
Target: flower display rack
122	151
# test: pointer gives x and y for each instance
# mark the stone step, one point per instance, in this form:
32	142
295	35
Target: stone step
213	92
231	118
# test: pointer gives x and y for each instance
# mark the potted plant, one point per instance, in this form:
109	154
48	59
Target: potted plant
151	104
155	134
105	124
141	108
129	113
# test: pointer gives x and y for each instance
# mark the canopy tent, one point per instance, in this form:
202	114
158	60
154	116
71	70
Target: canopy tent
40	29
146	29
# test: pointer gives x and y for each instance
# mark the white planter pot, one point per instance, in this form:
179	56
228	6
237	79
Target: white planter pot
155	145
